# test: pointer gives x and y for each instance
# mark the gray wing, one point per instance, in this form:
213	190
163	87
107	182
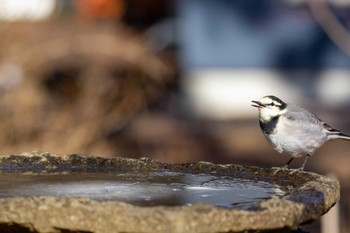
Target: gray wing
302	115
308	119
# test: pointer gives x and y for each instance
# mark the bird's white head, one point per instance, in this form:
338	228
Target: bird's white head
269	107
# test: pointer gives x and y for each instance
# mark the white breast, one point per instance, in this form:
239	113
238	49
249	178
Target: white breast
298	139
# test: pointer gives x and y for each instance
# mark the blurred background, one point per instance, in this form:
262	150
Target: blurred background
173	80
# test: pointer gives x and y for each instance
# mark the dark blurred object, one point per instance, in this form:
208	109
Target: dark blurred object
63	83
144	13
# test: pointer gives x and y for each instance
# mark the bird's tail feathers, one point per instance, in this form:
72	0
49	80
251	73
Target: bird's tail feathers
339	135
343	136
334	133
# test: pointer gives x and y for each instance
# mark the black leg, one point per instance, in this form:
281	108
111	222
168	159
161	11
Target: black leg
286	166
289	161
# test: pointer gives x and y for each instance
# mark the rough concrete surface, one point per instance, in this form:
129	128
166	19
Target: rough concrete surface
310	197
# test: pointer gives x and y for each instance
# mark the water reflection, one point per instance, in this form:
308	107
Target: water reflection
143	188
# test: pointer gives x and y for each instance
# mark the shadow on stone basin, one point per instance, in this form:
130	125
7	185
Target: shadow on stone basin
302	196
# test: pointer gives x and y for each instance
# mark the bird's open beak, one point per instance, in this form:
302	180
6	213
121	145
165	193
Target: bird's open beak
257	104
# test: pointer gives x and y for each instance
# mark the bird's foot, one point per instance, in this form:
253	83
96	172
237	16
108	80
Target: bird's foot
292	171
277	169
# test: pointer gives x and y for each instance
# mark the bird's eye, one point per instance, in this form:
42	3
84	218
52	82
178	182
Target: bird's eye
272	104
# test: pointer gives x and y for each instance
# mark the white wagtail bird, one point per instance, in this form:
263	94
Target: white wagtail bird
292	129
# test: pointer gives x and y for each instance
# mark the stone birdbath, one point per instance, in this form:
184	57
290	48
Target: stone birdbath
44	192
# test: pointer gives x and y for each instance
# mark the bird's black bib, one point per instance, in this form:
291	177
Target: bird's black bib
269	126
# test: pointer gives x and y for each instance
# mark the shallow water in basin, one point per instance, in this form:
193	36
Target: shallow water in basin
142	188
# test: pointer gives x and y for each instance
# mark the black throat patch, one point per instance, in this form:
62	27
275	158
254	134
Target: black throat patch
269	126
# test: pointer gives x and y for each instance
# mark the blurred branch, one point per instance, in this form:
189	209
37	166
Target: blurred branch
330	24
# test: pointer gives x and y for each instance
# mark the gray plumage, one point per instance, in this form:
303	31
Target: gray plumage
292	129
